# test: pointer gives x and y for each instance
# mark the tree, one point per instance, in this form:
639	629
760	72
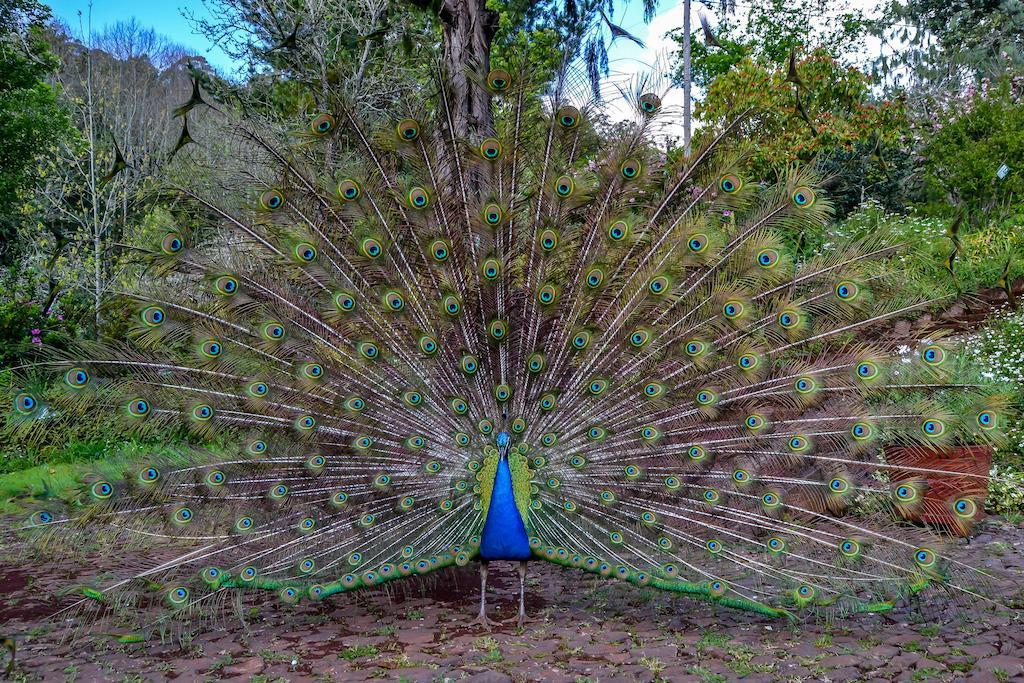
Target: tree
32	121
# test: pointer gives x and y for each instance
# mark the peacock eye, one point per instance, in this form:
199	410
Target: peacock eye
649	103
139	407
492	214
618	231
344	301
408	130
440	251
564	185
630	169
418	198
371	248
568	117
536	362
172	243
595	277
933	355
490	269
547	294
349	190
394	301
305	252
803	197
847	291
490	149
548	240
76	378
767	258
271	200
322	125
697	243
153	316
499	80
211	348
658	285
428	345
730	183
226	285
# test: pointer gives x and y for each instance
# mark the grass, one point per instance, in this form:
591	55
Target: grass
359	651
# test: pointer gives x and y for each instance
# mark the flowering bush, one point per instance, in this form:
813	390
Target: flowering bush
998	352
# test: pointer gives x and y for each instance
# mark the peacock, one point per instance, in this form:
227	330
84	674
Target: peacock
397	346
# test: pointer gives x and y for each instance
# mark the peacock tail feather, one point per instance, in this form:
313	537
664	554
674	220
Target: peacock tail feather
691	405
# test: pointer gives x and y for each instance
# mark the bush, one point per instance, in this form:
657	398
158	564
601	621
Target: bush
996	351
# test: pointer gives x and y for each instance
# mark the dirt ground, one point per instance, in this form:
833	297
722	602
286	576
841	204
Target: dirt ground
583	629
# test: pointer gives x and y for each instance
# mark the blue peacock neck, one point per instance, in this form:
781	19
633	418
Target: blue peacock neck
504	536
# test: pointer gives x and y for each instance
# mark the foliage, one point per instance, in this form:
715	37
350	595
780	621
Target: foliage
25	325
997	351
768	32
844	125
967	145
984	248
32	120
948	44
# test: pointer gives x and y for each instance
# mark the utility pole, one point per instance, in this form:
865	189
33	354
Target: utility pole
687	78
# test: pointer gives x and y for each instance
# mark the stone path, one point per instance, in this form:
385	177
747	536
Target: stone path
584	629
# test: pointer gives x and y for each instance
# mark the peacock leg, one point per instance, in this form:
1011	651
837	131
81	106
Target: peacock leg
521	618
481	618
522	593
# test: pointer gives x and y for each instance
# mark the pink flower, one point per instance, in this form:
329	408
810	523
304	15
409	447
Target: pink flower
60	316
36	331
37	340
727	213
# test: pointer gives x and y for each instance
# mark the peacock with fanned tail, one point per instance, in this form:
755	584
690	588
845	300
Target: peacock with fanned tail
415	350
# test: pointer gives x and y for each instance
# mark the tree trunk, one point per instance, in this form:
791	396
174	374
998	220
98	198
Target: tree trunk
468	29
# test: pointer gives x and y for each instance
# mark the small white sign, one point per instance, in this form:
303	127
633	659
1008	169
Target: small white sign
1003	171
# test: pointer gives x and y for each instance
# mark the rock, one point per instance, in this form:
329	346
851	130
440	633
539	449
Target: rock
1014	666
247	667
490	677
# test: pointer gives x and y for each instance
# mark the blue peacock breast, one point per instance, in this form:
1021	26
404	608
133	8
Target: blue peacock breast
504	536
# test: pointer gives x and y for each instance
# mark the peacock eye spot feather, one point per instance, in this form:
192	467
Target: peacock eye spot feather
305	252
847	291
658	285
768	258
697	244
564	186
172	243
711	496
925	557
803	197
630	169
271	200
76	378
649	103
490	149
408	130
499	80
536	362
139	407
933	355
986	419
839	485
349	190
933	427
732	309
867	370
618	231
595	277
418	198
568	117
322	124
730	184
153	316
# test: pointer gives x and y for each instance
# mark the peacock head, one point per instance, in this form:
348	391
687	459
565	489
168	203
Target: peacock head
504	441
